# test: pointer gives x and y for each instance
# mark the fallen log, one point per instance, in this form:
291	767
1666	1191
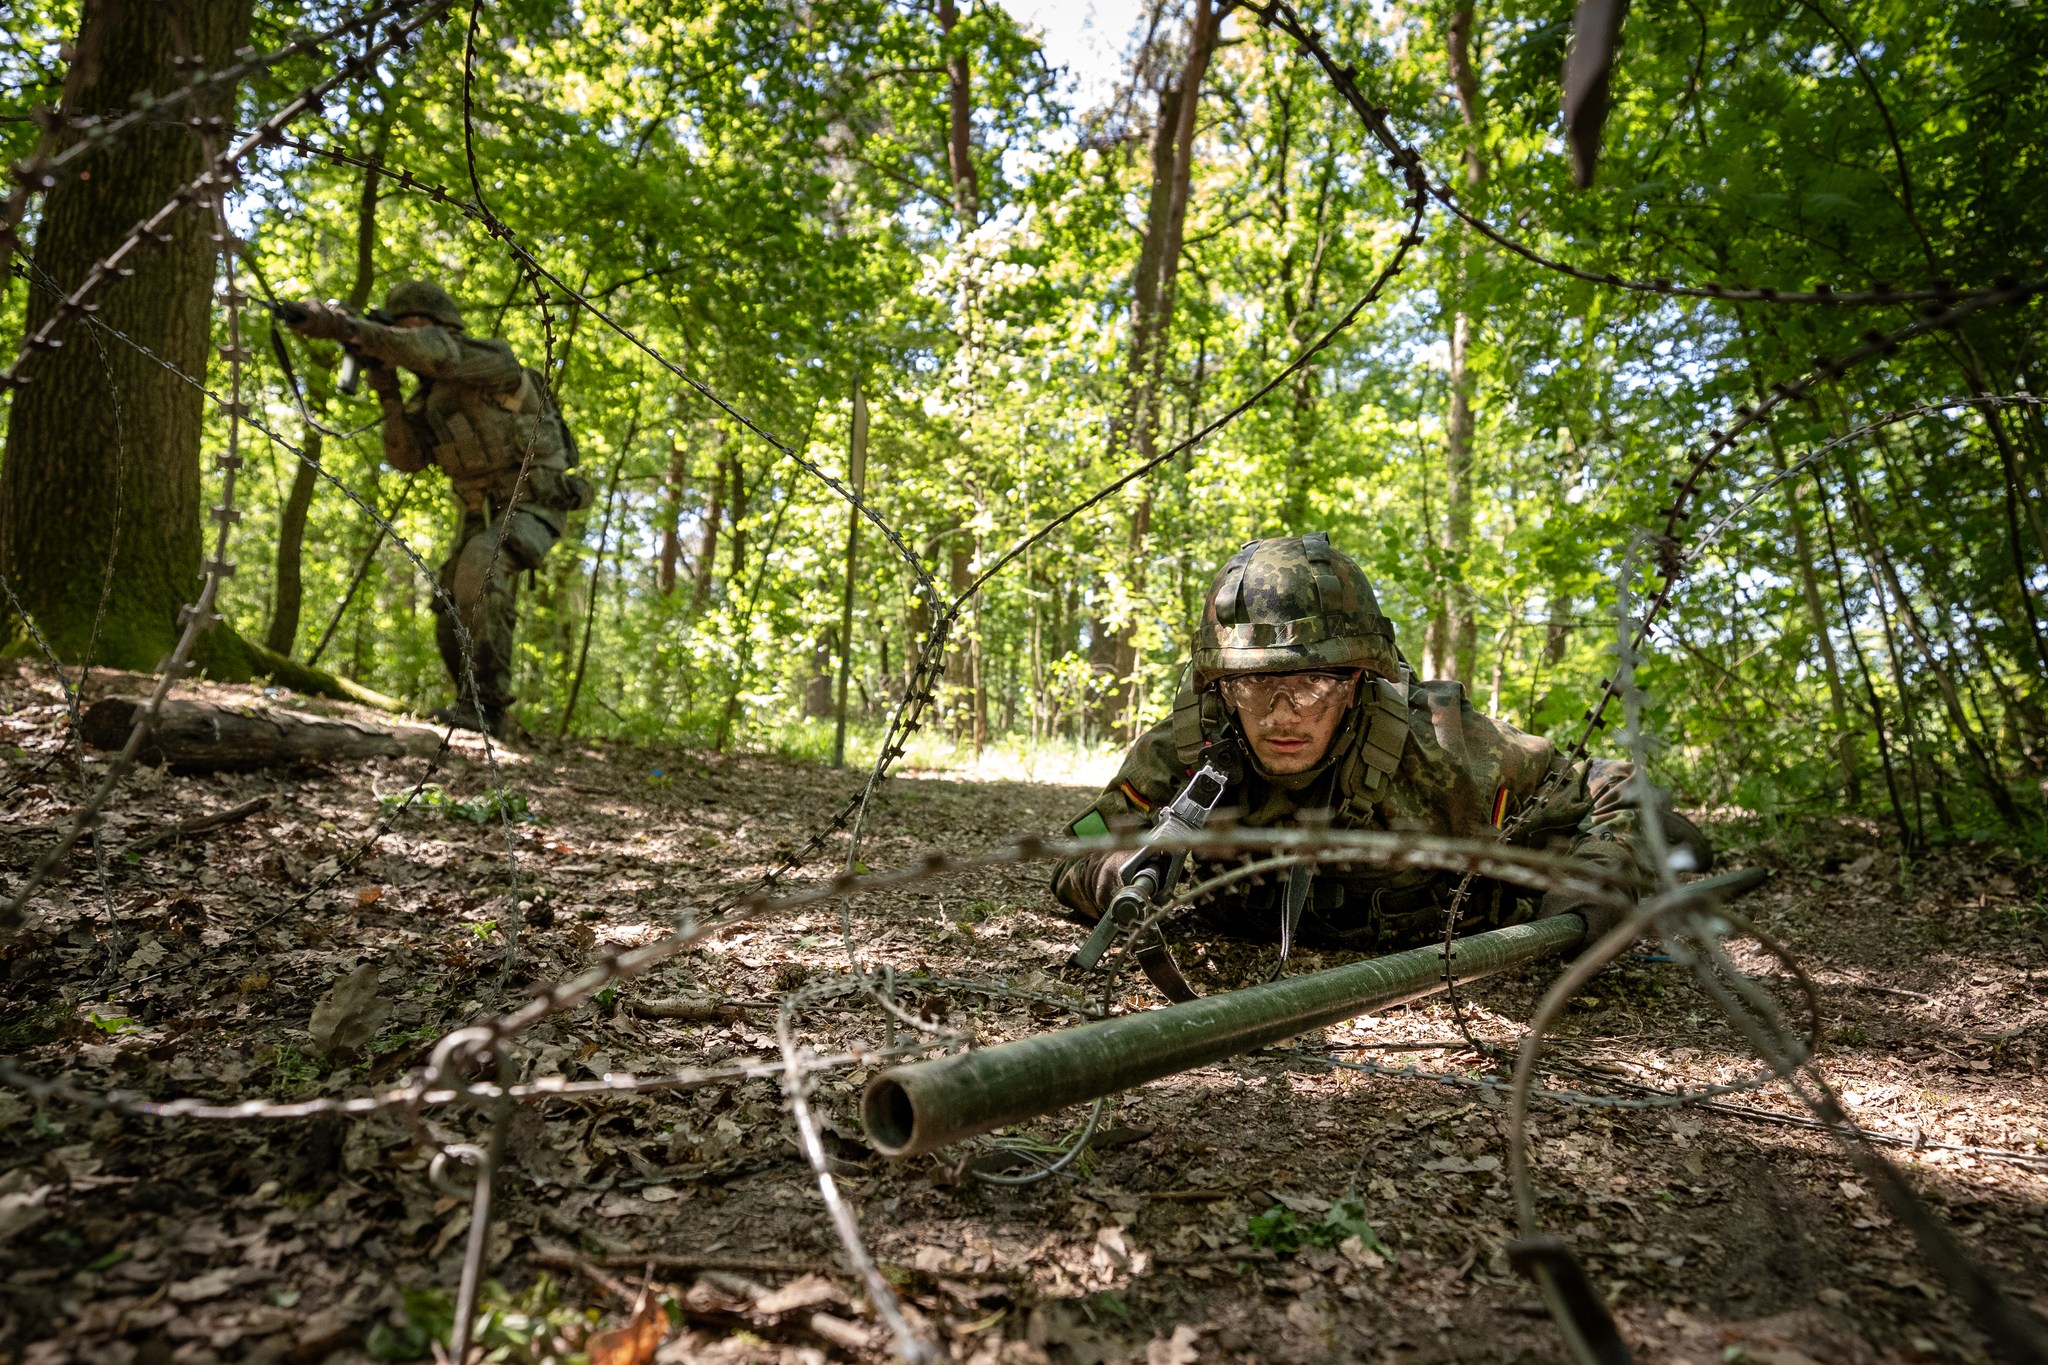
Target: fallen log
204	736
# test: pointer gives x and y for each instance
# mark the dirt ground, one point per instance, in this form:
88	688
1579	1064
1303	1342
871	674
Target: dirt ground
1269	1209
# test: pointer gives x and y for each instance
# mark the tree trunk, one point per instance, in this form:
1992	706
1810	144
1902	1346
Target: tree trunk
1454	628
1817	620
960	649
673	483
736	513
1907	838
1152	295
1988	775
960	126
291	541
102	456
1451	644
856	479
707	540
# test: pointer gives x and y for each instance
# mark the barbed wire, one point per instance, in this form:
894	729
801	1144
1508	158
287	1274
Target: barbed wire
37	172
1941	294
798	1066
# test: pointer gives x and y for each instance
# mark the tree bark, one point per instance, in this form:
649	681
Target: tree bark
960	125
673	483
707	539
202	736
73	487
1451	643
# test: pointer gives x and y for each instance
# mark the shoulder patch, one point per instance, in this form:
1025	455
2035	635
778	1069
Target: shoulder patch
1134	796
1089	825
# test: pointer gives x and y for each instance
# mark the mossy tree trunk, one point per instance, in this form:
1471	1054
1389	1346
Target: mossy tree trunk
102	454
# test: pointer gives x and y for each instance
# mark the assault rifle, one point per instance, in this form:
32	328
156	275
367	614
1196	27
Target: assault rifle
1149	875
352	359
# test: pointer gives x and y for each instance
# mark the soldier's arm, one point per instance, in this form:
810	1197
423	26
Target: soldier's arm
1561	805
1579	808
406	448
440	354
1151	773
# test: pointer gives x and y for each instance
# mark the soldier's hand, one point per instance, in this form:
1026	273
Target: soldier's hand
1599	918
1088	884
321	321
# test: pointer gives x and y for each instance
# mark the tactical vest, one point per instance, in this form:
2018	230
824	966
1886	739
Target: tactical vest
1369	744
481	439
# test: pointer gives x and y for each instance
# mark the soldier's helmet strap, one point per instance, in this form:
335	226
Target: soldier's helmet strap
1197	719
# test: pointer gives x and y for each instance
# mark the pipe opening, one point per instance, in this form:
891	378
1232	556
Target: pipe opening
888	1115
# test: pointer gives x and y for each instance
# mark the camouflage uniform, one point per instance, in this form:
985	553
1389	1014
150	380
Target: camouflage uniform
1407	756
493	426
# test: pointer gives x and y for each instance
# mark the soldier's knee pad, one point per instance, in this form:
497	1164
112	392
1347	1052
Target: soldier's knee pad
529	535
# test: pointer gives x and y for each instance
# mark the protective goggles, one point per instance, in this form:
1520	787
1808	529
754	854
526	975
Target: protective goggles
1305	693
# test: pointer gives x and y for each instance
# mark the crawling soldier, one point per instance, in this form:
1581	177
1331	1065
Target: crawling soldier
1296	671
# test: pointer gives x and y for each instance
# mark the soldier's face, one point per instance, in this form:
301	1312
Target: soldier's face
1290	724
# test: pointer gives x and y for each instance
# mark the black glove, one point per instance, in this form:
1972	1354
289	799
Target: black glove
320	321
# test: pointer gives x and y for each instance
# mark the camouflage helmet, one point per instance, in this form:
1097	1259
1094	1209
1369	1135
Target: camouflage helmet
425	299
1292	602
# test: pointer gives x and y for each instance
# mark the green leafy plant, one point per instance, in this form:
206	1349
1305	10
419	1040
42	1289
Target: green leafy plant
493	804
1281	1231
530	1328
291	1071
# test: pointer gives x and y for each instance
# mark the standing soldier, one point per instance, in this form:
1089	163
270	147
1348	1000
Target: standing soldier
1298	695
493	426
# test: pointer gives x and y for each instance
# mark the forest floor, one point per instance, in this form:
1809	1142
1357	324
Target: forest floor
1271	1208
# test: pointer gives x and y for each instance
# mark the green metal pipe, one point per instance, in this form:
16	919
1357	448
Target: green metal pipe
920	1107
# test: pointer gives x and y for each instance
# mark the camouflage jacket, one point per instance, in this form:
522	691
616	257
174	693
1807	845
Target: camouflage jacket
479	415
1412	756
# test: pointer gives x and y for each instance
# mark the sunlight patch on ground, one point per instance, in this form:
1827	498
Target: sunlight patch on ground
1064	764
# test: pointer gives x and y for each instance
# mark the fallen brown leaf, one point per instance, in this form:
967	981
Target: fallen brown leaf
636	1342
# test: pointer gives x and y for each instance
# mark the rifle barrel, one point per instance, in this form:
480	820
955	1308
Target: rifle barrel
922	1106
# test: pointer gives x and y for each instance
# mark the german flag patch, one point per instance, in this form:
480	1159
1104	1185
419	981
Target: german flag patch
1131	795
1500	806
